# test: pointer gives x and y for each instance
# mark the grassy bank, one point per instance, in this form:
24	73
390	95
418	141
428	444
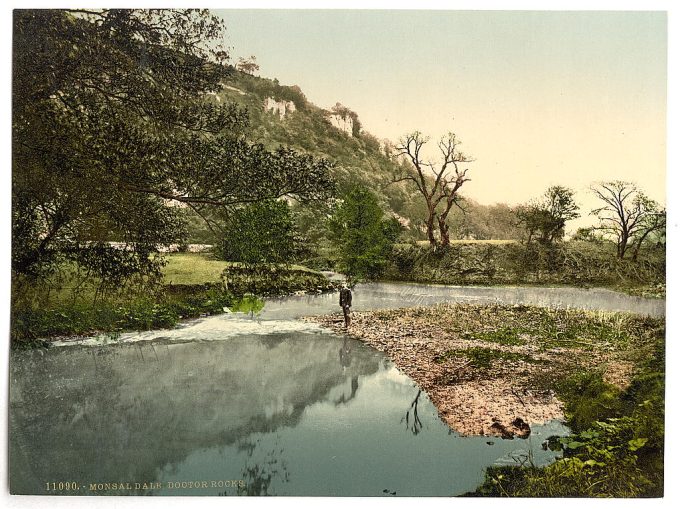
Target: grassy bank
491	369
193	285
569	263
617	449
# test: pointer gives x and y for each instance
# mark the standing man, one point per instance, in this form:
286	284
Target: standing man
346	302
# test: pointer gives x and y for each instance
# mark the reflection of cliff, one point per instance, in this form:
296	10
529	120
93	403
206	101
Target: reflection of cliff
132	409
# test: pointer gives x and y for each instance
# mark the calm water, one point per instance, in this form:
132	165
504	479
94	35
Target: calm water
395	295
290	414
280	405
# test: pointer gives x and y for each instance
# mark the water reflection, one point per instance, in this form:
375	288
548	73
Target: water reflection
122	411
296	413
413	422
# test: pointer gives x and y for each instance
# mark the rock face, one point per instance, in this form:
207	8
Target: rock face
280	108
345	124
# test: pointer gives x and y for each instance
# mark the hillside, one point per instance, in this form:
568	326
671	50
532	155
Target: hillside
282	115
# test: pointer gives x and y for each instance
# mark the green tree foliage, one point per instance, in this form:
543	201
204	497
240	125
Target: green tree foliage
261	232
544	219
248	65
627	215
485	222
362	238
111	126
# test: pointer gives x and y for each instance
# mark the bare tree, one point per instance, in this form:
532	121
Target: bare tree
654	222
439	185
627	214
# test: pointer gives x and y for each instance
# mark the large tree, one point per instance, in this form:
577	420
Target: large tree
112	124
437	183
627	215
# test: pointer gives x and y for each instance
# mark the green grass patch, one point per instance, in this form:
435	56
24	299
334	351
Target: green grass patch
483	358
199	268
138	313
192	269
508	336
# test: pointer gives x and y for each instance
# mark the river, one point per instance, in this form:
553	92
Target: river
263	404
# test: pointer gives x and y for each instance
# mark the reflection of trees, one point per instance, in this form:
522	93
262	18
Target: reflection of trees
413	423
130	412
258	477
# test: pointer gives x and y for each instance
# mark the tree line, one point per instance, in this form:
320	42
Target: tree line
627	215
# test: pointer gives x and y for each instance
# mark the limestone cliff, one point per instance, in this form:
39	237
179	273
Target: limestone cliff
280	108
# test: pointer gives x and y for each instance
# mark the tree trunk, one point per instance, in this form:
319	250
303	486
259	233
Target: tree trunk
430	229
622	246
443	231
638	244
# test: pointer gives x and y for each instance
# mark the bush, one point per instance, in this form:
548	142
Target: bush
270	279
569	263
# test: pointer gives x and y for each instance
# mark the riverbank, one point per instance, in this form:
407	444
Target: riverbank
194	285
491	370
485	367
573	263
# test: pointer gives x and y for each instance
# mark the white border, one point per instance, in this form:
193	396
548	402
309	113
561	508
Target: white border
173	502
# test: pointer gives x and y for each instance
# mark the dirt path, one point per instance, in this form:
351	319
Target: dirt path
489	370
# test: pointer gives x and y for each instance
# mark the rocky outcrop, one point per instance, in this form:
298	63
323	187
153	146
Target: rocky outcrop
280	108
234	89
344	123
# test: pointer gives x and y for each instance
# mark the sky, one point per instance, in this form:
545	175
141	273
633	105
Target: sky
537	98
